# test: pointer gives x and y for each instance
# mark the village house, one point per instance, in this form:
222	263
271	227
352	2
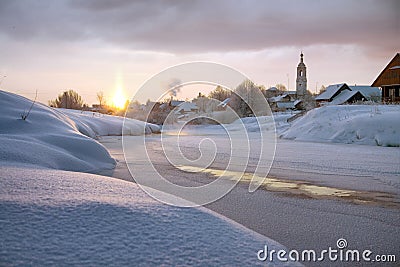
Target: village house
284	102
389	81
186	108
338	94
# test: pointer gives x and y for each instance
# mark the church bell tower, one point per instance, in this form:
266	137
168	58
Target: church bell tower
301	80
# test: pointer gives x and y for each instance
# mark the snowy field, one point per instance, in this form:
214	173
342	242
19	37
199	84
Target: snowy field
62	218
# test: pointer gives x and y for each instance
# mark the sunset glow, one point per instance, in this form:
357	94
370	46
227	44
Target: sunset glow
119	99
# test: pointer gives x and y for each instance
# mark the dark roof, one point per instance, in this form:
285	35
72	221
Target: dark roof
345	96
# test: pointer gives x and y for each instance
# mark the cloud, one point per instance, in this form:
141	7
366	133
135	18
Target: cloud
57	45
183	27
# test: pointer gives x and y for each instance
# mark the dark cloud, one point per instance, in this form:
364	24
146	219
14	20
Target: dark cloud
205	26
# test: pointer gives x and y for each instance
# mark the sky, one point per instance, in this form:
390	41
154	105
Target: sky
97	45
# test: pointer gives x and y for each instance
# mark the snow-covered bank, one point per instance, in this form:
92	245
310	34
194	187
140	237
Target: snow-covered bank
47	138
278	123
61	218
59	138
358	124
349	124
102	125
377	125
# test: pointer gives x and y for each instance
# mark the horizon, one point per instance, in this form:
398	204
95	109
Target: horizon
115	47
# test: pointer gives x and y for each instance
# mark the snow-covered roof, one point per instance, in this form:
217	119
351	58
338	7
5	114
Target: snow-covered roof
296	102
291	92
163	106
224	103
343	97
288	105
187	107
278	98
176	103
366	90
331	90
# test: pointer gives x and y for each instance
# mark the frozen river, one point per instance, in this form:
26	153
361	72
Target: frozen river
315	193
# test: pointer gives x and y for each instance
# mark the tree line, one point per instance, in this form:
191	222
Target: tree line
70	99
245	100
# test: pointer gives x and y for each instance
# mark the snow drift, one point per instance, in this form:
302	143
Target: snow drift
59	138
47	138
96	124
276	123
350	124
52	217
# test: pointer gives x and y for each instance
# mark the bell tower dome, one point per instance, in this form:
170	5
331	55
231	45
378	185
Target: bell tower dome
301	80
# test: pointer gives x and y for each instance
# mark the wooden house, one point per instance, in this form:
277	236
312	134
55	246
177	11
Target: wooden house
389	81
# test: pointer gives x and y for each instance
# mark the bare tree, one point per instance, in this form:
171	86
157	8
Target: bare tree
280	87
219	93
69	99
248	99
322	89
101	98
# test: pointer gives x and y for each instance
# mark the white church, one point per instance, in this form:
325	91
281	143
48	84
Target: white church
292	100
301	80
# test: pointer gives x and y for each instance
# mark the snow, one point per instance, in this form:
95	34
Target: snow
336	165
51	216
344	96
186	107
330	91
59	138
278	98
349	124
104	125
56	218
47	138
224	103
368	91
253	124
377	125
287	105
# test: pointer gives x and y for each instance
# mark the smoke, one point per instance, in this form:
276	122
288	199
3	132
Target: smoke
173	87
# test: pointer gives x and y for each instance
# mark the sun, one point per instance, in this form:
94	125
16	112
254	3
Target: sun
119	99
